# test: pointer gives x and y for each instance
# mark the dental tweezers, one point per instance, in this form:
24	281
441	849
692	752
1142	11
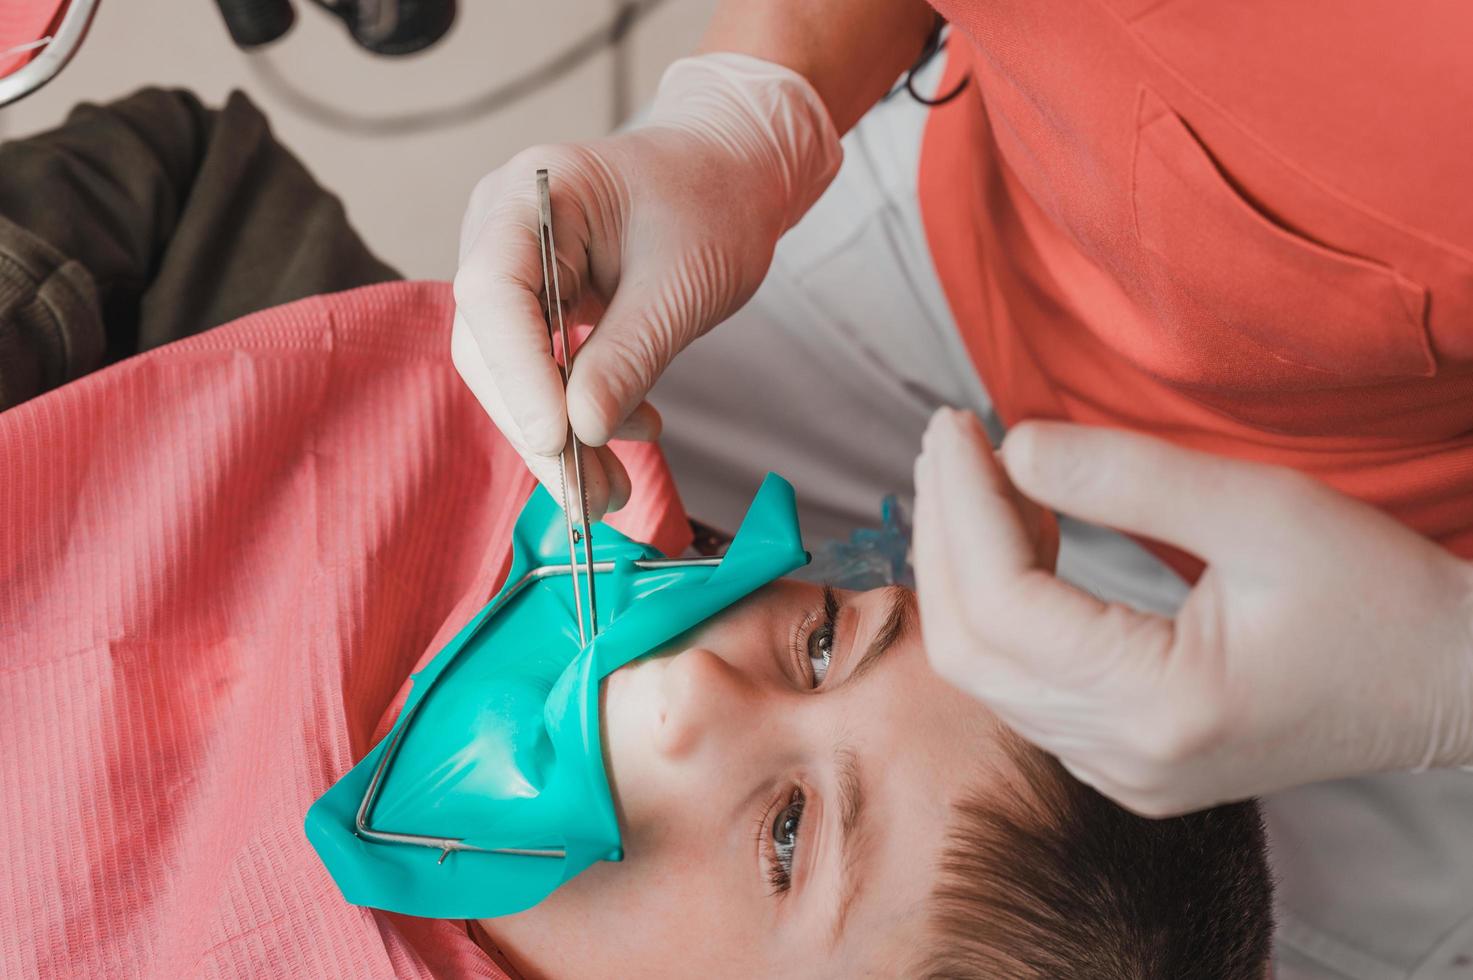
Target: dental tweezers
552	298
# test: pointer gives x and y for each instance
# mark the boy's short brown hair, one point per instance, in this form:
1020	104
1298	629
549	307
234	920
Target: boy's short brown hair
1062	883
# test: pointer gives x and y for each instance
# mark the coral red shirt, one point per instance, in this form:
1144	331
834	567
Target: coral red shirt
219	563
1244	227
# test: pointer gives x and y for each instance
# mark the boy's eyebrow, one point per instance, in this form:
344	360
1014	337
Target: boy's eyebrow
899	619
900	615
851	809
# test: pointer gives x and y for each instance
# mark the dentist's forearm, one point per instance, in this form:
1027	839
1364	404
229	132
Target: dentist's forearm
851	51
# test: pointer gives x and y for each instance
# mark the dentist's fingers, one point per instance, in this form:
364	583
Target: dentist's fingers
974	495
603	473
653	315
1208	505
498	294
618	486
643	424
1012	604
662	230
952	624
951	645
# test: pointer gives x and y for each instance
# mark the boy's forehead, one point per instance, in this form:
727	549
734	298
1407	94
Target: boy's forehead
923	746
914	794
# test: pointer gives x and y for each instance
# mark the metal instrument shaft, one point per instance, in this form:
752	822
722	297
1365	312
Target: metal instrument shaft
557	339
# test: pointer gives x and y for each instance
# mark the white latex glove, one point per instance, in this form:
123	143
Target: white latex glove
662	232
1325	639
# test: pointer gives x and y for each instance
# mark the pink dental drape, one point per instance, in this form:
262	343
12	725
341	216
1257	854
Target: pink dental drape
219	562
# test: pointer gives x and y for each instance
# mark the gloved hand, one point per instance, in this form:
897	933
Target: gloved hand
661	232
1324	639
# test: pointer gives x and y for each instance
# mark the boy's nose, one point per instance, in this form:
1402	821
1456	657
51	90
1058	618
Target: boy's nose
706	700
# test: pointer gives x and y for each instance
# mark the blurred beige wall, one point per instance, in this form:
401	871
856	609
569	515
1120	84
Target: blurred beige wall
404	193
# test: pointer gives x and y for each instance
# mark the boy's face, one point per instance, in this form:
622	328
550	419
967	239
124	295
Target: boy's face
783	790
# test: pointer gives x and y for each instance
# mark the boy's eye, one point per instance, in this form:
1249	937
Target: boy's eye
821	651
784	838
785	824
820	642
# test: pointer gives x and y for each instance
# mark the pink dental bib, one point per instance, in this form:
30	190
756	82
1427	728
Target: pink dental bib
219	562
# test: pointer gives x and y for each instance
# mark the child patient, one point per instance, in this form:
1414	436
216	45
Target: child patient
801	796
220	561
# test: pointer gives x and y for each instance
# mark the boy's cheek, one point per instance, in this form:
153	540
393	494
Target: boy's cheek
657	916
